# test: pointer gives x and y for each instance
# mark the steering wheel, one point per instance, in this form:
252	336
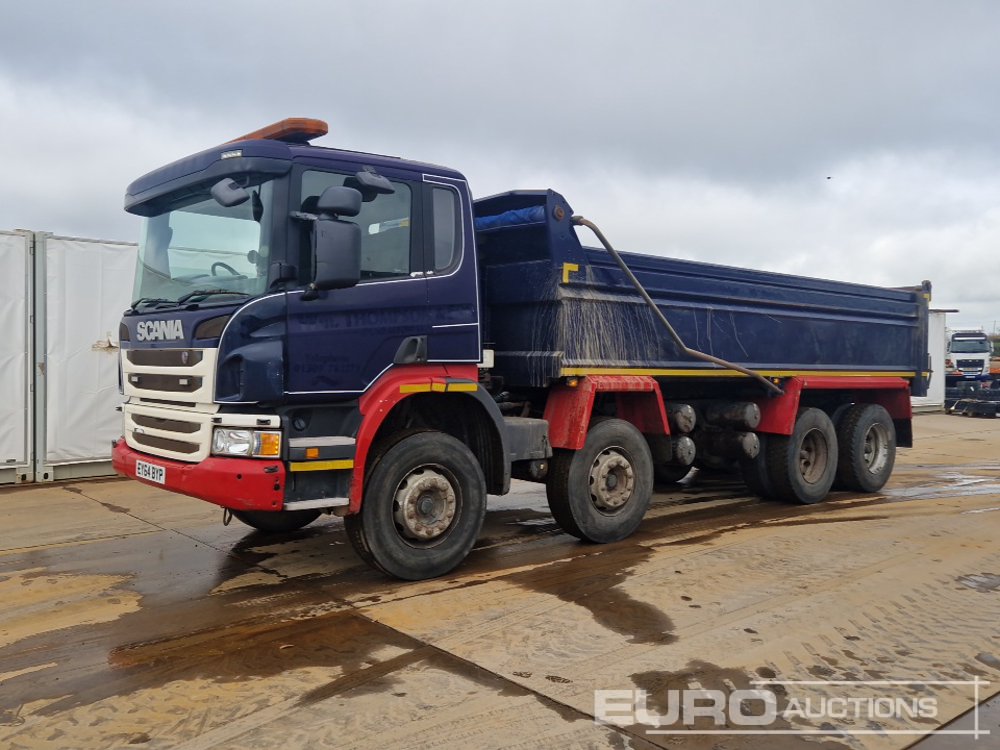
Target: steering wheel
220	264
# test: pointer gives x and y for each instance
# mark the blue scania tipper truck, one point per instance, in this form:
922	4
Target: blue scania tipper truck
323	331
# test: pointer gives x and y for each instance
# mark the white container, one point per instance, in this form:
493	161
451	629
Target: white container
16	412
82	287
936	339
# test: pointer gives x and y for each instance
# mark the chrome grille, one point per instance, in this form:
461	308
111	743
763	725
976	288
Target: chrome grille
161	423
970	364
171	375
164	357
167	444
165	383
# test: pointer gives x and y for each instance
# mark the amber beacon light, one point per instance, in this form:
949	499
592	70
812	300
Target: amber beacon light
291	129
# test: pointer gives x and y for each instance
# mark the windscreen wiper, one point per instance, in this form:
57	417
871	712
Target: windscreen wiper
208	293
149	301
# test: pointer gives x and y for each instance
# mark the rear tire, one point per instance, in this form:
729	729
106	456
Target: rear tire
276	522
866	437
600	493
754	470
424	504
802	466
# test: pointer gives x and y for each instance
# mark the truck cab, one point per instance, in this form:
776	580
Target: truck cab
278	284
967	357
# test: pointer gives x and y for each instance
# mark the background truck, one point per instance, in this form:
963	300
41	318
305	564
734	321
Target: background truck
967	357
317	330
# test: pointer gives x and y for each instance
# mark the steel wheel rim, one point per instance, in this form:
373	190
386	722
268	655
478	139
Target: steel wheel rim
611	480
425	505
876	448
814	455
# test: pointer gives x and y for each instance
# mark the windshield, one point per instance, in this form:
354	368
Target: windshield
203	246
970	346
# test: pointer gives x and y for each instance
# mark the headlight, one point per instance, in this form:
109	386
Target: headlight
259	443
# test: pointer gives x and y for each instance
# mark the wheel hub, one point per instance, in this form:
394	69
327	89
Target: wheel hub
876	451
813	456
612	480
425	504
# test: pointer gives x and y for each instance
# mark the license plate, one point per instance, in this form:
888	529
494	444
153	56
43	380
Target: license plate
150	472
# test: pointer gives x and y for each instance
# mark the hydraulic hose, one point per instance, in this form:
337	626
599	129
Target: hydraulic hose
581	221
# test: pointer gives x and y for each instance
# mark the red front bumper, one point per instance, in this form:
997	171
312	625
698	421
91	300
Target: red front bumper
237	483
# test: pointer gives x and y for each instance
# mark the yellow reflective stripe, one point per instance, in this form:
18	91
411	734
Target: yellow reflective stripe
415	388
569	268
583	371
437	387
344	463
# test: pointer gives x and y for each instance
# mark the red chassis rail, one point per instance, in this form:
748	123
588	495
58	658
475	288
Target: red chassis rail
255	484
640	401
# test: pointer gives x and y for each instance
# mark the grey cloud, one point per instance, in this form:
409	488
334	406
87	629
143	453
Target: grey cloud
763	91
699	129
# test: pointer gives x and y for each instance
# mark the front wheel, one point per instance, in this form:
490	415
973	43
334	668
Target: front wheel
601	492
423	507
867	439
276	522
802	466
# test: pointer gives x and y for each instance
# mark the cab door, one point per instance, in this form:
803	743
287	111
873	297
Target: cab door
341	341
451	272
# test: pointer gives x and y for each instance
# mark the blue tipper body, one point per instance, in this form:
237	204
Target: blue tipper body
556	308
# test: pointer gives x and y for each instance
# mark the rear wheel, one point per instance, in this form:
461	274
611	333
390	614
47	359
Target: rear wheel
754	470
801	466
276	522
601	492
866	437
424	504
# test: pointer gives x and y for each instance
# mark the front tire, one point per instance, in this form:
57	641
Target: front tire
867	440
600	493
802	466
424	504
276	522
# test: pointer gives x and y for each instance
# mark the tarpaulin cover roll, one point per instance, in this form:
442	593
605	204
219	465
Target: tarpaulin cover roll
15	263
513	218
88	286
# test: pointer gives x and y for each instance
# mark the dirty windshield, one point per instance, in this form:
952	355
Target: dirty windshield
970	346
201	248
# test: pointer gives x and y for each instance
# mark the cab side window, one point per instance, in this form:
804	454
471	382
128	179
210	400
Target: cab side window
446	228
384	222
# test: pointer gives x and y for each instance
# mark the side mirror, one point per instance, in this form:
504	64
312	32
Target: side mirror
336	244
370	184
227	192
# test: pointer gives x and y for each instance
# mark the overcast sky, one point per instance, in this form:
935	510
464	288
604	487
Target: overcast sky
849	140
